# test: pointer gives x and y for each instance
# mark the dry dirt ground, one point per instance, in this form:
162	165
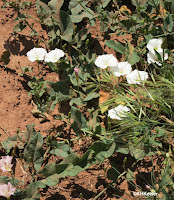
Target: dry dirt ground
15	114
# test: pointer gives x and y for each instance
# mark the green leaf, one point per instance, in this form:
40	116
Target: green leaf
33	151
160	132
78	118
77	101
20	140
117	46
158	55
91	96
59	90
71	159
53	168
164	44
123	150
73	4
102	150
55	5
80	11
168	23
154	3
105	3
26	69
4	179
138	154
129	175
9	143
134	58
61	150
172	7
80	37
25	135
93	121
32	192
20	17
66	26
104	108
72	164
76	164
134	2
19	27
131	48
43	10
78	18
52	180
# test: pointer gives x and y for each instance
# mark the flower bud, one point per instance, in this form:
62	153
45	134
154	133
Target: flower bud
147	187
76	69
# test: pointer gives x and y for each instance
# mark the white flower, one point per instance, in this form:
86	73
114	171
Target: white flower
107	60
5	163
6	190
136	77
155	44
118	112
36	54
122	69
54	55
153	58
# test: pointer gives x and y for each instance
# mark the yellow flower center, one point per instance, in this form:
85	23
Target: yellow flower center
107	64
7	167
7	194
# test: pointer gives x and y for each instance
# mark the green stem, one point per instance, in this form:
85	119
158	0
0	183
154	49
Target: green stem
32	18
100	194
86	9
79	92
12	175
38	66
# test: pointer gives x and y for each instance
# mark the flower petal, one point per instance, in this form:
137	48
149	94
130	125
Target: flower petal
54	55
137	77
107	60
118	112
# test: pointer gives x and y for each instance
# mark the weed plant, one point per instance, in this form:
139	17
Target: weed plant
143	99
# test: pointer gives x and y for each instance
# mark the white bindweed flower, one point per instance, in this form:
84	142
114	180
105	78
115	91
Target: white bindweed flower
36	54
54	55
5	163
107	60
136	77
153	58
122	69
155	44
6	190
118	112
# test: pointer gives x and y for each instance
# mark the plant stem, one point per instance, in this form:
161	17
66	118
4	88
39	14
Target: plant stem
79	1
100	194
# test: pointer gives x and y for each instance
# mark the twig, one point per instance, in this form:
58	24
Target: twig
5	131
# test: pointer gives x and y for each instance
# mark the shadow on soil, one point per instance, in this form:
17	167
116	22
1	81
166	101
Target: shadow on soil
19	44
